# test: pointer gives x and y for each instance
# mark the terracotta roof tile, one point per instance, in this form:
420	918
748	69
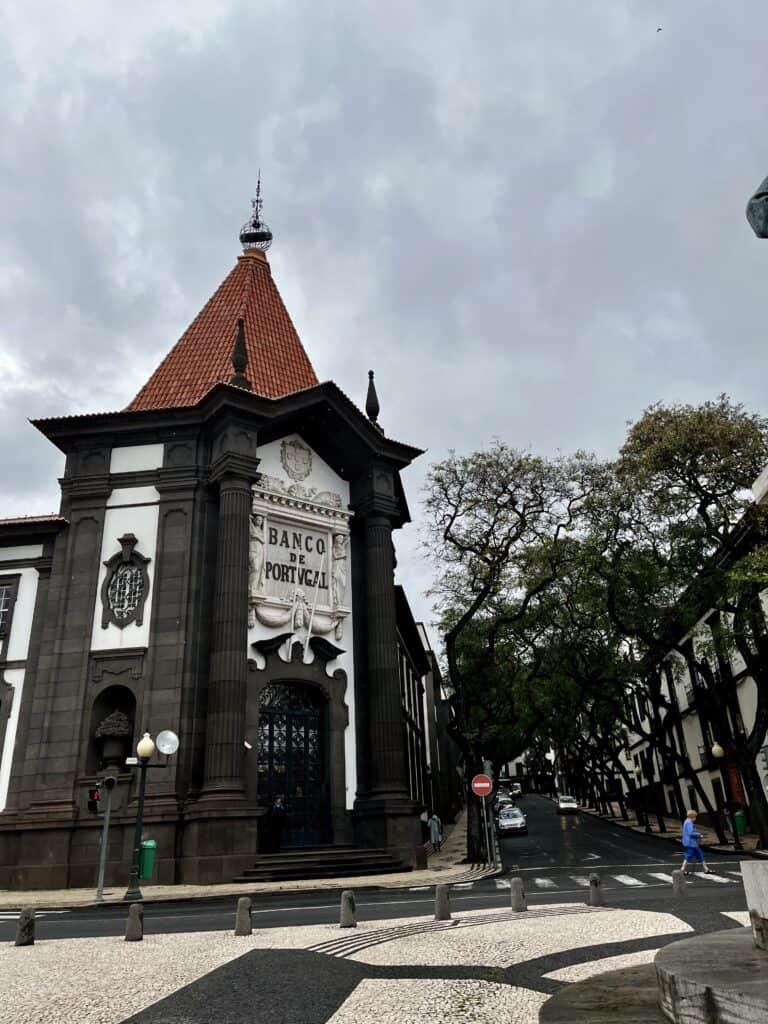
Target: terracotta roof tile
202	357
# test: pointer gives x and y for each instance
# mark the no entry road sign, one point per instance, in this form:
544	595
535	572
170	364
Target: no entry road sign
482	785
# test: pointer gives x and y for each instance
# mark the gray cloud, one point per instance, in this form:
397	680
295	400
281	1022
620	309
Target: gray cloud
528	218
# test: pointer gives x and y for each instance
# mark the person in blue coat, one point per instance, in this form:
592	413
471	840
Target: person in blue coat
692	850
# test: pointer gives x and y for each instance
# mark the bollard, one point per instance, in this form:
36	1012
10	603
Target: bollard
678	884
442	903
25	929
134	930
517	894
347	918
243	924
595	891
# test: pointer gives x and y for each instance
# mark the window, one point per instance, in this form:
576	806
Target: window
9	586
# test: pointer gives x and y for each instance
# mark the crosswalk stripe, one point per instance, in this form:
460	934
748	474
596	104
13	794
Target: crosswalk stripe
580	880
737	874
661	876
503	883
419	888
544	883
463	885
710	877
628	880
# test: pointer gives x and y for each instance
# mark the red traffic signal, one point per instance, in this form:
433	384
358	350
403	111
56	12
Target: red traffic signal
93	800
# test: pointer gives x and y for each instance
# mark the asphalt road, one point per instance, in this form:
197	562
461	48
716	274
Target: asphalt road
554	860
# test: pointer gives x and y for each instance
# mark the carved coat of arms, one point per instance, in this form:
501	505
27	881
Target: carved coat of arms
296	459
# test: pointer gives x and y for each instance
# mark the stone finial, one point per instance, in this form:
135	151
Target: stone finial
517	895
115	725
243	923
240	359
757	210
442	903
372	403
134	930
348	918
25	928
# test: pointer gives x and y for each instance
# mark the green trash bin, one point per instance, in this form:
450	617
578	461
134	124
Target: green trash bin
740	822
147	855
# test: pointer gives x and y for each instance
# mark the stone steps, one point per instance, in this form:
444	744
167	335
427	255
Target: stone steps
321	862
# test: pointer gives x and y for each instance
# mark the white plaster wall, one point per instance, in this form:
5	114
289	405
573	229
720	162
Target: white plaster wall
127	512
324	478
14	676
24	609
135	457
20	551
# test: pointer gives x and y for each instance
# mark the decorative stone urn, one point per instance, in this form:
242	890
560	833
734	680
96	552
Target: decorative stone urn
113	736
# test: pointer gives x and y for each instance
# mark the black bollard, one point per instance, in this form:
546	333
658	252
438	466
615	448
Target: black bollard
243	925
25	928
347	918
134	930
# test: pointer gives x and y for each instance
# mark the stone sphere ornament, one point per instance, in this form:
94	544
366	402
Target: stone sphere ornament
757	210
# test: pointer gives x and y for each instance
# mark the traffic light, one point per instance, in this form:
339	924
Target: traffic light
93	800
109	782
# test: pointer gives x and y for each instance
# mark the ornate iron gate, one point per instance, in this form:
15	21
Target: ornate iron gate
292	759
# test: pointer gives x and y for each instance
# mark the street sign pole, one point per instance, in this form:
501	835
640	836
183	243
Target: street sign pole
108	784
482	787
485	832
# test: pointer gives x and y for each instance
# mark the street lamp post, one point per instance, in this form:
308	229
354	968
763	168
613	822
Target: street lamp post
719	753
144	749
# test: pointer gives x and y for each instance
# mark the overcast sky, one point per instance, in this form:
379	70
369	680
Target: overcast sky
526	215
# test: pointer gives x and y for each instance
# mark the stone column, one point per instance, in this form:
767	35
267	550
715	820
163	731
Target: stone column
388	757
225	729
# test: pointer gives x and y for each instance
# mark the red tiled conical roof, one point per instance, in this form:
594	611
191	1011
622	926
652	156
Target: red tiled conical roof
202	357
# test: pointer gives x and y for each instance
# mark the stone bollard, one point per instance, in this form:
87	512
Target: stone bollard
134	930
679	884
25	929
755	876
347	918
595	891
442	903
517	894
243	924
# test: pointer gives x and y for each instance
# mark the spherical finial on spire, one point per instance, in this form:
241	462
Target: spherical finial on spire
255	233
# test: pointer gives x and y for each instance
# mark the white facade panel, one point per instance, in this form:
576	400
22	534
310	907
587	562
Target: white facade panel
19	551
141	520
14	676
23	611
311	489
136	457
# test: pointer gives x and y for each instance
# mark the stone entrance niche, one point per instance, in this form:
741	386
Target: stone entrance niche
113	719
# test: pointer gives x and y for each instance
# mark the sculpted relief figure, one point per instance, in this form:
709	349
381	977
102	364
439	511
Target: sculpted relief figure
339	571
256	562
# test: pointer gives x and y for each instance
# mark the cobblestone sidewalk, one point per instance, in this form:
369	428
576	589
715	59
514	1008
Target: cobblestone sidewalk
487	967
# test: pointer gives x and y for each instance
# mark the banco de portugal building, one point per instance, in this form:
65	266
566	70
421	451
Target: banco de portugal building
222	566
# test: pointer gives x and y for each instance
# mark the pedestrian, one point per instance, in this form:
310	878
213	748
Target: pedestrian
691	844
276	818
435	827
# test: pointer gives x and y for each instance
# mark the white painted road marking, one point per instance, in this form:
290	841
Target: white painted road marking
545	883
463	885
661	876
711	877
503	883
580	880
628	880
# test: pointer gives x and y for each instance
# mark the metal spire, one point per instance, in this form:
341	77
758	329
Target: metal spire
255	233
240	359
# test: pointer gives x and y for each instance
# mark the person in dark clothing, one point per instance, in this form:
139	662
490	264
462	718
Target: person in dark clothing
275	820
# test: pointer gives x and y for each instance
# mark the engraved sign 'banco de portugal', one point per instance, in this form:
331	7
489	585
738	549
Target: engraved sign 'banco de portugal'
298	567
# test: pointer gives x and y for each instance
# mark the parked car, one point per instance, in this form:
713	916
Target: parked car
517	789
567	805
513	820
502	800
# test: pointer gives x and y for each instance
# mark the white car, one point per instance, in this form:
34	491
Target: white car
517	789
512	819
567	805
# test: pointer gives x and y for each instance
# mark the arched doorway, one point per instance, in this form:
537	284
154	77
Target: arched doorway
292	759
